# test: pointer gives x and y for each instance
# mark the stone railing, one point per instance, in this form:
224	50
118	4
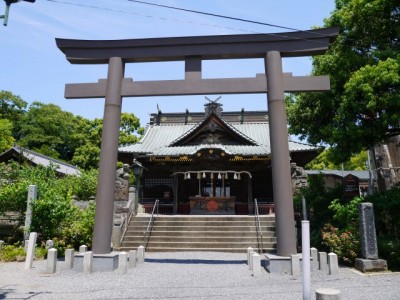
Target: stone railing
123	211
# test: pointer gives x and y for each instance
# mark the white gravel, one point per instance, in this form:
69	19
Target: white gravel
187	275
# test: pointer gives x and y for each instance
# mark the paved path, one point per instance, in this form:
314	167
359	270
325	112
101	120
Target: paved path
188	275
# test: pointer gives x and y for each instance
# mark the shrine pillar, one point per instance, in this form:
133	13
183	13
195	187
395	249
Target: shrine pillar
103	221
280	157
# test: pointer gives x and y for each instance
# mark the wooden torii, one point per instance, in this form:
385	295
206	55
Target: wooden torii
193	50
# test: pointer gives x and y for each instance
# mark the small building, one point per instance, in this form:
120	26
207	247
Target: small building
355	181
21	154
210	162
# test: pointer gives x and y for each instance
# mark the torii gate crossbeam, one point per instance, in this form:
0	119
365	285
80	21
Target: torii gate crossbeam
192	50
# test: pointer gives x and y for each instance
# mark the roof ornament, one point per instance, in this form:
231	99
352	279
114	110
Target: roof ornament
213	107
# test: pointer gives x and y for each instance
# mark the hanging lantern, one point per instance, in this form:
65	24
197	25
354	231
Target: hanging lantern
235	176
238	177
188	175
219	175
204	174
198	175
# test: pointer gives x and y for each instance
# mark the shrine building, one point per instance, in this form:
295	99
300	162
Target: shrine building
211	162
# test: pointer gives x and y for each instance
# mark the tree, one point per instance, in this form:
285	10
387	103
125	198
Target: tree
48	129
12	107
363	106
6	138
325	161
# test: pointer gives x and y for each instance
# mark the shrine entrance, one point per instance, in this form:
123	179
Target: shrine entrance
192	50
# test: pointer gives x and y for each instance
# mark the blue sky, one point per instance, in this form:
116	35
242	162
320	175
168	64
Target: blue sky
36	70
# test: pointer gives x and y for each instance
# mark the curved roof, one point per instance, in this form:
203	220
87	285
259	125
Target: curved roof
158	138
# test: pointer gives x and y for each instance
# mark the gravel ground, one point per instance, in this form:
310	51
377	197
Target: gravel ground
187	275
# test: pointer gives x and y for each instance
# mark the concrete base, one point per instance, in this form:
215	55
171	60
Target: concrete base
101	262
278	264
371	265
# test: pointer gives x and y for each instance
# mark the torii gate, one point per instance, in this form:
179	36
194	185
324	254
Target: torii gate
192	50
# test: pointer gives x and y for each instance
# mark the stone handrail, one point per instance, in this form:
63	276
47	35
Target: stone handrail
122	216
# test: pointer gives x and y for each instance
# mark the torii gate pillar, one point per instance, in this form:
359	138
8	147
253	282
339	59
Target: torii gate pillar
281	178
108	158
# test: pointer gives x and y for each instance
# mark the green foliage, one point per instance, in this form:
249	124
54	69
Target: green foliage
345	244
362	108
318	198
326	161
17	252
6	138
80	231
12	108
54	214
12	253
344	239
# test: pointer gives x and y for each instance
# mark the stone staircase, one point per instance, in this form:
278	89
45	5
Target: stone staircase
200	233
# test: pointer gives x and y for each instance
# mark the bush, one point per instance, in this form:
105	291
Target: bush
344	243
17	252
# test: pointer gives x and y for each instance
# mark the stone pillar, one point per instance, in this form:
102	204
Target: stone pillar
323	261
30	253
256	264
88	262
250	252
108	158
132	254
314	255
333	264
83	249
369	247
295	264
140	254
69	258
32	195
281	177
51	261
122	263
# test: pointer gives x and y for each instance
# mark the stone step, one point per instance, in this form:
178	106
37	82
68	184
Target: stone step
197	233
201	223
216	239
200	233
228	218
174	249
211	228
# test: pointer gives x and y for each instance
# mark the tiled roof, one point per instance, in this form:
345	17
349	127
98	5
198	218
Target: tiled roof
157	139
362	174
40	159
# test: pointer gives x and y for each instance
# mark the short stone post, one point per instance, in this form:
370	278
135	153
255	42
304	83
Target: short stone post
122	263
250	252
51	261
1	244
327	294
295	264
87	262
140	255
323	261
83	249
369	247
30	253
333	264
314	255
32	195
69	258
256	264
132	254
